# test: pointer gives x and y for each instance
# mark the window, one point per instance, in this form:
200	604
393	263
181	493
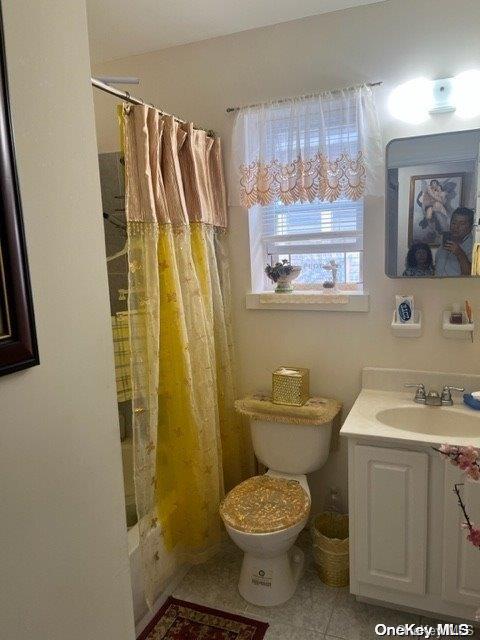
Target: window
302	166
312	234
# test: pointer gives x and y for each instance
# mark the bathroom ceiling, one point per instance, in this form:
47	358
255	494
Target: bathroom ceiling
122	28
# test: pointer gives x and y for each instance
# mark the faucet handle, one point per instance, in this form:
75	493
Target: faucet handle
420	395
447	394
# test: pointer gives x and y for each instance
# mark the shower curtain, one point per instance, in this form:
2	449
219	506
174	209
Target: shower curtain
190	446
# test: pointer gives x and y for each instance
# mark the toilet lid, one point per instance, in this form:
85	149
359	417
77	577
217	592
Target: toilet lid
264	504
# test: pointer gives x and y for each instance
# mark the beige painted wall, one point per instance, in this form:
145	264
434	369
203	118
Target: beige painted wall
63	552
392	41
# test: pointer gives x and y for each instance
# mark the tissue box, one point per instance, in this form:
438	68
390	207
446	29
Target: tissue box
290	385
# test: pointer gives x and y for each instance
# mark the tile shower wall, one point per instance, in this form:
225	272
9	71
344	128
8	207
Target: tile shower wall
113	201
112	184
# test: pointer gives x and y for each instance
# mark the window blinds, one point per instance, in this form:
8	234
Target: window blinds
317	227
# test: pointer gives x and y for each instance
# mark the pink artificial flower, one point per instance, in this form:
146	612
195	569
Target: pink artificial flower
474	536
447	449
474	472
470	453
467	458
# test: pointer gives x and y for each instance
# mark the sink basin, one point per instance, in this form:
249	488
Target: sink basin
433	421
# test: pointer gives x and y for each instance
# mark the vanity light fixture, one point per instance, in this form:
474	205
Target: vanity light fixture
466	93
415	100
442	96
411	100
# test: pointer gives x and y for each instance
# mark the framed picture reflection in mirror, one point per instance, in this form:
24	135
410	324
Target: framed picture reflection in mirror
433	199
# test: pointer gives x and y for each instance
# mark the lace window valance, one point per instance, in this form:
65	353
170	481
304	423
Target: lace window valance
323	147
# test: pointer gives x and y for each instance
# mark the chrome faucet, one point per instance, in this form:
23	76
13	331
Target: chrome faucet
420	395
433	398
447	399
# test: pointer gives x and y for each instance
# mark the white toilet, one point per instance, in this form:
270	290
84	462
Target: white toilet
265	514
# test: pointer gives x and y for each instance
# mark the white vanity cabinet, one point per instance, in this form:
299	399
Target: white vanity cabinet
406	544
391	512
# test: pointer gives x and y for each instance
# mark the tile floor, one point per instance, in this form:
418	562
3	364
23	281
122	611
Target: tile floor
315	611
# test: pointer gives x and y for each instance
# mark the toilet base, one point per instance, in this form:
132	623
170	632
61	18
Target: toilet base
267	582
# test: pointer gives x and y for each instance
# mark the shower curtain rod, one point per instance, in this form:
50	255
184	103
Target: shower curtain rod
280	100
125	95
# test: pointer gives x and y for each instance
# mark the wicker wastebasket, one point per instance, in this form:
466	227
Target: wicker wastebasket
330	547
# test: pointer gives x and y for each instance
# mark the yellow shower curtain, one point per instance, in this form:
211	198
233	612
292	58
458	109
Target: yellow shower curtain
189	444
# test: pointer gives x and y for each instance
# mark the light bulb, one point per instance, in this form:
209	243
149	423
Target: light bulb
412	100
466	93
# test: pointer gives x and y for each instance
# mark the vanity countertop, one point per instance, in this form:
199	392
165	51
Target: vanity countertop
375	413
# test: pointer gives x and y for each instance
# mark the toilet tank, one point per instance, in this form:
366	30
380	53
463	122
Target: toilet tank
291	448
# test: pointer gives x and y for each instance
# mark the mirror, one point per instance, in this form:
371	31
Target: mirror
432	192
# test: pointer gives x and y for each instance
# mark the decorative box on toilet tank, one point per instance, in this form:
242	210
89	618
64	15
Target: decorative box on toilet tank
290	385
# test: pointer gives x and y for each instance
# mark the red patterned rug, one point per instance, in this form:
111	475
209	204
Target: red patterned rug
178	620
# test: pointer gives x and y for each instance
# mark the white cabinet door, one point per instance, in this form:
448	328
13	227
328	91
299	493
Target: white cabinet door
390	517
461	560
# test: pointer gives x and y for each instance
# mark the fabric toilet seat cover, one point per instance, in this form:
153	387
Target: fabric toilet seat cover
264	504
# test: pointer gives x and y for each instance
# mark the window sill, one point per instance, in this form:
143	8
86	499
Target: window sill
356	301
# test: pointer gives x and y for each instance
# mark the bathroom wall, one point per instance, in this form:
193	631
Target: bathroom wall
391	41
63	552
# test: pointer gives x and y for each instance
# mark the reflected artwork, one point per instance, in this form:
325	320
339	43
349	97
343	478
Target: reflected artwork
433	199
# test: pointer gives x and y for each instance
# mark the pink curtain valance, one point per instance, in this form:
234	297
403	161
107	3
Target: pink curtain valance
179	171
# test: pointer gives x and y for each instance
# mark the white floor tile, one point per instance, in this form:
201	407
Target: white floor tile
286	632
309	608
434	621
214	583
353	620
315	612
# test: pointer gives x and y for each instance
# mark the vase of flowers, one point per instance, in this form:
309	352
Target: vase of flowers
282	274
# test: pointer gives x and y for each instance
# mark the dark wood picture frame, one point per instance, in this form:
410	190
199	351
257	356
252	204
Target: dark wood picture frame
18	341
412	202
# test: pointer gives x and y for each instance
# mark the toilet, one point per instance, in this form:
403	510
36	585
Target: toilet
265	514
